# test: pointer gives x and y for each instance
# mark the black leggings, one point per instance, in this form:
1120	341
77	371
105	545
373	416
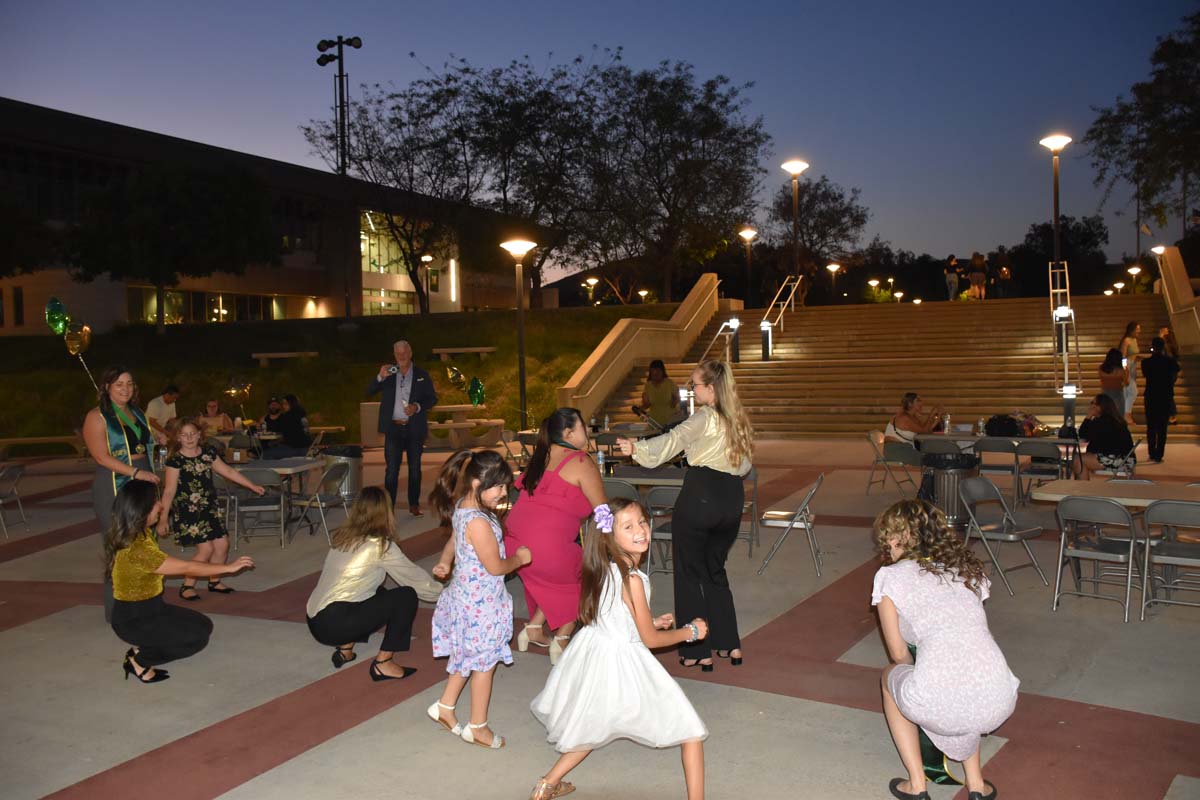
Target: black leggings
704	526
341	623
161	632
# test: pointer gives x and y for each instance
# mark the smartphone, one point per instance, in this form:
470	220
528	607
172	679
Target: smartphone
1124	363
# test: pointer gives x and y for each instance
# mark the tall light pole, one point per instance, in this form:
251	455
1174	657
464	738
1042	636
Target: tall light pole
341	96
833	271
1055	144
794	168
426	261
747	233
1062	315
517	248
591	287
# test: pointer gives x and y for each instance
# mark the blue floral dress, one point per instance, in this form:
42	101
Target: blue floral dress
473	621
194	517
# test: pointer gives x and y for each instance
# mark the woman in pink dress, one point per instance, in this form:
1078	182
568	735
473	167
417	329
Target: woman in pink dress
559	489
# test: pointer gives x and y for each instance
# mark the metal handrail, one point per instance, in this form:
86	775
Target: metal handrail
728	331
792	281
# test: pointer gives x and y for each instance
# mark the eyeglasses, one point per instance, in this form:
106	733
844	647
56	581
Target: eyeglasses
691	385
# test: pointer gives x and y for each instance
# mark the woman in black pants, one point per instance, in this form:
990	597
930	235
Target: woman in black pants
158	632
350	603
717	440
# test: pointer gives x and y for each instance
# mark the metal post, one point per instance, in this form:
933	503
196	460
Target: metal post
343	159
736	346
795	224
765	328
749	279
521	342
1057	235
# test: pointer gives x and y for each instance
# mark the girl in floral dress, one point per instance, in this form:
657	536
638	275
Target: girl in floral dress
192	499
473	622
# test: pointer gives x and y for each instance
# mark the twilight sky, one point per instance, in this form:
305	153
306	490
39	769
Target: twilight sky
933	109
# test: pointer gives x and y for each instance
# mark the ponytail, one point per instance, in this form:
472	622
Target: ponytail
551	432
459	472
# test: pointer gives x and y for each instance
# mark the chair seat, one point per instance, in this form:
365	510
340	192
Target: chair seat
1116	552
781	519
998	531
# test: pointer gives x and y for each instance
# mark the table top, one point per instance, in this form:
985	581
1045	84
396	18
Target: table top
644	476
326	428
975	437
452	408
1135	495
282	466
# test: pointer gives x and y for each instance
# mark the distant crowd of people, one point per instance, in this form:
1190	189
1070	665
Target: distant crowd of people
983	280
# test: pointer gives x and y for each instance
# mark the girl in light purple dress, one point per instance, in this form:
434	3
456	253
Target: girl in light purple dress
930	594
473	622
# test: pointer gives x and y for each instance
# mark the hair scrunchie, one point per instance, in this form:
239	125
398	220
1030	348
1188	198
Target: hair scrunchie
604	518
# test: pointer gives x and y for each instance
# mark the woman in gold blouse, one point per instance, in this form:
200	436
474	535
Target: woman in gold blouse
350	603
717	440
158	632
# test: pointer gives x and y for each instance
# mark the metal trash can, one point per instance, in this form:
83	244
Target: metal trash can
945	490
352	455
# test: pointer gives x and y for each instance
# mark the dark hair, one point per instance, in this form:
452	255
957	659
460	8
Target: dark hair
950	259
922	530
171	389
1108	408
1130	329
599	550
657	364
1112	360
486	466
550	432
1158	344
294	402
107	379
131	508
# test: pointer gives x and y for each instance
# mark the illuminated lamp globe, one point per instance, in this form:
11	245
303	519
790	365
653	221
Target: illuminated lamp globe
1055	142
518	247
794	167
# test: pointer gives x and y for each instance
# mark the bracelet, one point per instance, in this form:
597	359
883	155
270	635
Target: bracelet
695	633
134	475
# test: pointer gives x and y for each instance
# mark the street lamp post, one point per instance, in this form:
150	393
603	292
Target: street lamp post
794	168
833	271
747	233
426	261
517	248
642	294
591	287
1119	285
1055	145
1060	294
341	122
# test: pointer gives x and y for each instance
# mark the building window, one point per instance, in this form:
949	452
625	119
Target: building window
434	280
388	301
18	305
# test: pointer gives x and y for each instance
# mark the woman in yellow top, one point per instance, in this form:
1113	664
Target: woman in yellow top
717	440
158	632
660	398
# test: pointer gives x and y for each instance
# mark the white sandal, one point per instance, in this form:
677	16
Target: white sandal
468	736
435	714
556	649
523	640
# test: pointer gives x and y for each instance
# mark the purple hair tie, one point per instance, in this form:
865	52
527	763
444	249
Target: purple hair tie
604	518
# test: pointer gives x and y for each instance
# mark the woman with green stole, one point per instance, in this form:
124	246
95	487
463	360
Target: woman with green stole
118	438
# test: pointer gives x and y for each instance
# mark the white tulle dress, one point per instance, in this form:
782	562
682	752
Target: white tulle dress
608	685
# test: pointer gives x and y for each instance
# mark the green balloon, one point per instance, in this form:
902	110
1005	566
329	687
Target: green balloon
476	392
456	378
57	317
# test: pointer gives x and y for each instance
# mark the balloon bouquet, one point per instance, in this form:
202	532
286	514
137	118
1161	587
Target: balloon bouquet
76	335
475	391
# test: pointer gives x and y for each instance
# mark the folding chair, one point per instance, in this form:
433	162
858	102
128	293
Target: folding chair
1096	512
1040	469
517	458
314	449
615	487
974	491
660	502
901	456
939	447
275	501
1009	466
10	476
1127	468
226	501
326	494
750	506
1170	553
802	517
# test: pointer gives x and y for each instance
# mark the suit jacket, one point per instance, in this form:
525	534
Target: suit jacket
1159	373
422	394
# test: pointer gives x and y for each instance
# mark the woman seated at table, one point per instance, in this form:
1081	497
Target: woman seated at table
912	420
292	426
1107	436
660	398
214	419
1113	379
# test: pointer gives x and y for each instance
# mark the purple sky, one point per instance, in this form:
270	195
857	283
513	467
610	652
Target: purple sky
933	109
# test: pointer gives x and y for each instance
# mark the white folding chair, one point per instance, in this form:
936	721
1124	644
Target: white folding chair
802	517
1045	464
974	491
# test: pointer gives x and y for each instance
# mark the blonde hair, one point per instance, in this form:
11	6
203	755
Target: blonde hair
175	429
920	529
739	435
370	518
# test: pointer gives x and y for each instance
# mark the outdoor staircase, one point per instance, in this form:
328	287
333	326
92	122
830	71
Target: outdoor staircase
841	370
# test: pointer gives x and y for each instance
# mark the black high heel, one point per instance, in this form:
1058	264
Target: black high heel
695	663
733	660
159	675
195	595
892	787
981	795
376	675
340	659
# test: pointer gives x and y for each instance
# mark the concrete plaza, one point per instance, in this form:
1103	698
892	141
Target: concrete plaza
1107	710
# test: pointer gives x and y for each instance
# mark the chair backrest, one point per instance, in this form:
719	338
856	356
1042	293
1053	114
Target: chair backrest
944	446
1173	513
876	440
1038	449
995	444
10	476
662	497
614	488
331	481
239	441
802	508
1093	511
901	453
978	490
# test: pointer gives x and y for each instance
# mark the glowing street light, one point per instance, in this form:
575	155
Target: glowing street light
1158	250
747	233
1134	270
517	248
642	294
899	296
591	287
833	271
873	283
794	167
1119	285
1055	144
1108	292
916	301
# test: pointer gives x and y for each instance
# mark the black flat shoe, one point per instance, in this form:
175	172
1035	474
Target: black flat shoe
735	661
376	675
981	796
339	657
195	595
223	590
696	663
905	795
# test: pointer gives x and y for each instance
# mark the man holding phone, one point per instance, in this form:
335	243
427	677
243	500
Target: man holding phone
408	395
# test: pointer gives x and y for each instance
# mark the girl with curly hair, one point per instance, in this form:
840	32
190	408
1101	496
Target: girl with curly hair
929	594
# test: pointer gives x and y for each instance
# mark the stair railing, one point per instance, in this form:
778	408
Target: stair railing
729	329
787	290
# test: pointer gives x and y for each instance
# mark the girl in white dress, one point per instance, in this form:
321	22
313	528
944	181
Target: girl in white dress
608	685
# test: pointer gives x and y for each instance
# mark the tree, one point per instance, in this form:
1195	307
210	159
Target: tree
1083	243
162	222
673	166
1151	139
831	221
27	243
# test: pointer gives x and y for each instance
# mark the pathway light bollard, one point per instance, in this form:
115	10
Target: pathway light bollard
764	328
735	342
